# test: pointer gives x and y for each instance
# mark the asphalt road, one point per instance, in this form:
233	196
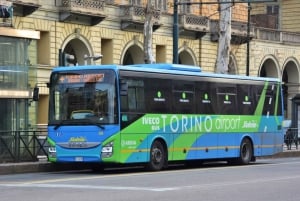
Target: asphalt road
267	179
44	166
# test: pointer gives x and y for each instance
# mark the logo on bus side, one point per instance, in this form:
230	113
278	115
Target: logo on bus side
193	123
250	124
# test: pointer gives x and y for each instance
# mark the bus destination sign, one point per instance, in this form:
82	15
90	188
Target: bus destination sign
81	78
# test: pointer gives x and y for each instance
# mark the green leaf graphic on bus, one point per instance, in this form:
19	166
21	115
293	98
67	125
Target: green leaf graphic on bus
159	94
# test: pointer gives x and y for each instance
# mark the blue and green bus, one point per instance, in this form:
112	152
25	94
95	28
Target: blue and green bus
154	114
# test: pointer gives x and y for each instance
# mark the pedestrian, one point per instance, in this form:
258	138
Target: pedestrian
289	138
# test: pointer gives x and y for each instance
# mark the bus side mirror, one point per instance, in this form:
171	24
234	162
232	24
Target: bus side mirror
35	95
123	88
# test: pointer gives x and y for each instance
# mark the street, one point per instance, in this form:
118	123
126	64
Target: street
267	179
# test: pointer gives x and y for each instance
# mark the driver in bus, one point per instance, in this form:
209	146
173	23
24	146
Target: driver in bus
100	103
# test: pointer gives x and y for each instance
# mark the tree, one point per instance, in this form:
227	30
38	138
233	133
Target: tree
148	32
222	61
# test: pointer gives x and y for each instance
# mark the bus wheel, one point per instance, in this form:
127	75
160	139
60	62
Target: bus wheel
246	152
157	156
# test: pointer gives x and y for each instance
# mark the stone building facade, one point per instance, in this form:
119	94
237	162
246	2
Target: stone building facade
38	31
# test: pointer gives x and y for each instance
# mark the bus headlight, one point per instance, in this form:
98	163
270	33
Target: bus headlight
52	152
107	150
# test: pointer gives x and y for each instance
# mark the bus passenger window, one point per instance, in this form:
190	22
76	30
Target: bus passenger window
246	103
204	98
134	100
183	97
269	104
132	104
226	95
158	96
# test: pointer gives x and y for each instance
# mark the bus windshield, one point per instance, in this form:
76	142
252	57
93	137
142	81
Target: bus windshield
83	97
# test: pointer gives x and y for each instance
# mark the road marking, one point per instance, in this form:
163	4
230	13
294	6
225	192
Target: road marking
238	183
157	189
90	187
50	183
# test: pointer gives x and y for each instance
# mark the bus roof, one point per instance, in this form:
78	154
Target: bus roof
87	67
177	69
166	66
188	70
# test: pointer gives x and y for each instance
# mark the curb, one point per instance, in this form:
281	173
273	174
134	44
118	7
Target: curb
39	166
27	167
285	154
45	166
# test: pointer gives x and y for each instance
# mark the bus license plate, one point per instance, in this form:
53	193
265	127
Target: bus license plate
79	159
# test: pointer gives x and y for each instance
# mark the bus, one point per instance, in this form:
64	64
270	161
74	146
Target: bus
155	114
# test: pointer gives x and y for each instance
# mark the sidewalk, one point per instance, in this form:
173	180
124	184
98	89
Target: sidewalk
44	166
38	166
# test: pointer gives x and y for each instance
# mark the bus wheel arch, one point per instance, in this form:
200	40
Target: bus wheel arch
246	151
158	158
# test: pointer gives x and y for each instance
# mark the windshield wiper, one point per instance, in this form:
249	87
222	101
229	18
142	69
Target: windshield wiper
94	123
74	122
61	122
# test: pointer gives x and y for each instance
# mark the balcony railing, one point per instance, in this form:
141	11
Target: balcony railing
268	34
277	35
239	31
137	13
288	37
85	11
83	6
133	17
194	24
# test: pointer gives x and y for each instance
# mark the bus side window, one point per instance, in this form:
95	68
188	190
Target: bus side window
269	105
132	104
226	96
270	98
134	100
245	99
204	98
123	88
183	97
279	108
158	96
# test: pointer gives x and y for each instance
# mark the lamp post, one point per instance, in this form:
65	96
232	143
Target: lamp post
175	33
248	41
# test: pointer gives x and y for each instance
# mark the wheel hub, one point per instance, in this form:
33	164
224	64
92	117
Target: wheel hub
157	155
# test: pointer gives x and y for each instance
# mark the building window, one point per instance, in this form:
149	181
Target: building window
185	8
273	13
135	2
161	5
13	63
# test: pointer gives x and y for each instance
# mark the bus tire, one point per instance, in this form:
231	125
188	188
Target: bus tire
246	152
158	156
